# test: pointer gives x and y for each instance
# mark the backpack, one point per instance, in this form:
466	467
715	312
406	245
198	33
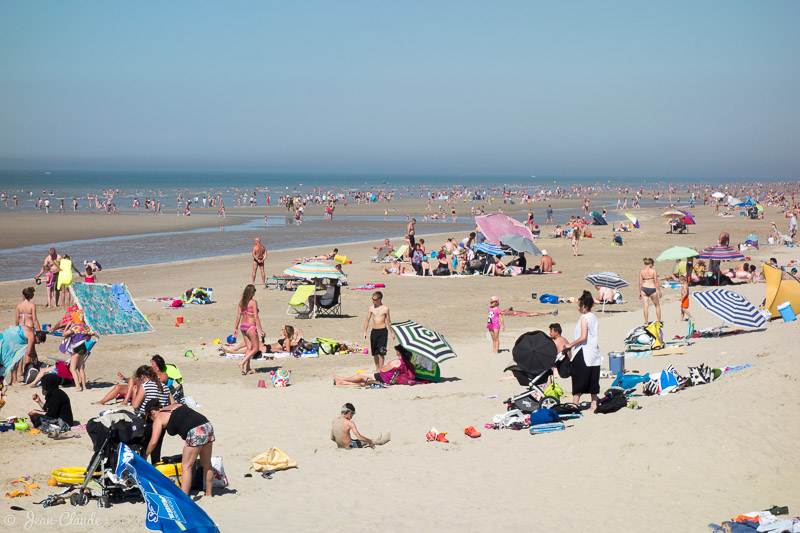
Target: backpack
613	401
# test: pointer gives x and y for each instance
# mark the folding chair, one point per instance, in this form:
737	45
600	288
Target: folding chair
330	308
397	254
298	305
382	253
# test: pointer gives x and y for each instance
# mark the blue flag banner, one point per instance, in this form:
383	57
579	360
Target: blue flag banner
168	508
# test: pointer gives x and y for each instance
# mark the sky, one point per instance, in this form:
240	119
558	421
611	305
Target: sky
578	88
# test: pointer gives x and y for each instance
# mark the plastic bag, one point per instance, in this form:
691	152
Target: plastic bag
220	479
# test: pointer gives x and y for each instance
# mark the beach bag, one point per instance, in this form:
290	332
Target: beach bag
475	264
543	416
613	401
639	335
548	299
30	373
220	479
272	459
554	390
327	346
280	378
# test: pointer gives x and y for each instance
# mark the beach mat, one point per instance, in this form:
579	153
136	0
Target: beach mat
108	310
675	350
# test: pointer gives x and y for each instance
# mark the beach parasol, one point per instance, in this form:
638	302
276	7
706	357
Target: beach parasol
673	213
493	226
487	248
518	243
607	279
423	341
720	253
314	269
718	195
677	252
731	307
633	219
734	201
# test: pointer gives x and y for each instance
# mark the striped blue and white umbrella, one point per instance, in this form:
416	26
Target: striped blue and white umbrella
314	269
607	279
731	307
487	248
423	341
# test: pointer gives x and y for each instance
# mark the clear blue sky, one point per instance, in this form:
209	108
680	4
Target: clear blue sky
638	88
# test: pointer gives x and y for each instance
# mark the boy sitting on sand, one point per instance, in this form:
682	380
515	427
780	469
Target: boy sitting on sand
343	425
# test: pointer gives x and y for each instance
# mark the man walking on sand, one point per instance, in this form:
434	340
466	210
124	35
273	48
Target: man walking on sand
259	256
381	328
51	262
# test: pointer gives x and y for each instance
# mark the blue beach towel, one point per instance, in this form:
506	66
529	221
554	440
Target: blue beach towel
121	296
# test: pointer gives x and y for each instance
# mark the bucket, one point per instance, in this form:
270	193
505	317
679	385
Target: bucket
786	311
771	240
262	384
180	320
616	362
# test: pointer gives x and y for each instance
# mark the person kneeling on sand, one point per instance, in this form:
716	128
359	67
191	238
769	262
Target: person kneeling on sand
343	426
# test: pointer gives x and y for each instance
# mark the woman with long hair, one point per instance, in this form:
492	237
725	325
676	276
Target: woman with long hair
247	320
649	289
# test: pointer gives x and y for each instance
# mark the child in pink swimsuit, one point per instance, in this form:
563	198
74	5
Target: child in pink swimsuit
495	322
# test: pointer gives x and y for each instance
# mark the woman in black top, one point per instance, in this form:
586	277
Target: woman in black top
198	435
56	404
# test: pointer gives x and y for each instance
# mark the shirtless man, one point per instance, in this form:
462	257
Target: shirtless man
546	264
51	262
604	294
555	334
410	232
342	427
381	322
385	244
259	256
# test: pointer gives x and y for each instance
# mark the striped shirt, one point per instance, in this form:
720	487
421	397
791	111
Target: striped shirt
151	393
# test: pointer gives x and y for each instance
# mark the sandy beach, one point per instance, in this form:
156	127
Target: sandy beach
702	455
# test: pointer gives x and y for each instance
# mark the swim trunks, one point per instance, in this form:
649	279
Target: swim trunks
685	303
378	338
259	263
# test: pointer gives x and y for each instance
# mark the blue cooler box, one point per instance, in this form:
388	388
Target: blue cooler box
616	362
786	311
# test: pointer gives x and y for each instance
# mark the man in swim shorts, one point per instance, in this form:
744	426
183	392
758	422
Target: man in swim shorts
381	322
51	262
342	427
259	256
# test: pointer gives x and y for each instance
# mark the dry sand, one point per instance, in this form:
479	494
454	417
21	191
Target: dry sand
684	460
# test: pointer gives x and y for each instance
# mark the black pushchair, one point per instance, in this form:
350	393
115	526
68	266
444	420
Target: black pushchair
535	354
107	432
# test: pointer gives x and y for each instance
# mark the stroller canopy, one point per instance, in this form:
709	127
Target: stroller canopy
534	353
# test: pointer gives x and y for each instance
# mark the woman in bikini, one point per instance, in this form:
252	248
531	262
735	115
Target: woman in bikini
247	321
649	289
25	314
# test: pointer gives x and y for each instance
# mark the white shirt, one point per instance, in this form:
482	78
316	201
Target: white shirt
591	346
793	223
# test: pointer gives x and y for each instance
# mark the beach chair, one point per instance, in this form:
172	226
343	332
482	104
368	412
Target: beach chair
298	305
382	253
332	307
397	254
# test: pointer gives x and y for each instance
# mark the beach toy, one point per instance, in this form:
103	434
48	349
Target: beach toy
366	351
179	320
231	339
188	353
177	325
21	425
262	384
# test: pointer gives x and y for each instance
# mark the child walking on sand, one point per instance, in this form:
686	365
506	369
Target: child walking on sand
495	322
50	283
685	298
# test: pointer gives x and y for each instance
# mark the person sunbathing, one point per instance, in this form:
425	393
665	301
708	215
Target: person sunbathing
399	371
497	268
129	388
604	295
393	268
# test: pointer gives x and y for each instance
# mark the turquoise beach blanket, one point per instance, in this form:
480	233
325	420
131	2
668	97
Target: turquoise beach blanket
109	309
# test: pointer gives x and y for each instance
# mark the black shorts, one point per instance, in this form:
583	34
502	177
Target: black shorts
377	377
585	379
412	242
378	339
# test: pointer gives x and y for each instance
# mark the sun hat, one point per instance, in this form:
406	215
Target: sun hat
494	299
544	252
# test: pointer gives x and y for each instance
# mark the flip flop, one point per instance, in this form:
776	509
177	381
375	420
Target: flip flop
472	432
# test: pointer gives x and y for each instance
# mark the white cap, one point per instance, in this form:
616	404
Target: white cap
544	252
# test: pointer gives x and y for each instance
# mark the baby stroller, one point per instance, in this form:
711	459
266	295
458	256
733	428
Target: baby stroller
535	354
107	432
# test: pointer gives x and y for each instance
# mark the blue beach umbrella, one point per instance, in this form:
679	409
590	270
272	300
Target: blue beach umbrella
487	248
731	307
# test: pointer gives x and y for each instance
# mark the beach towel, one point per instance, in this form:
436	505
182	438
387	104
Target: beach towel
511	312
103	313
13	346
368	287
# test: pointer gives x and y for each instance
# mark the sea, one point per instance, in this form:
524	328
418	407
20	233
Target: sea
280	231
